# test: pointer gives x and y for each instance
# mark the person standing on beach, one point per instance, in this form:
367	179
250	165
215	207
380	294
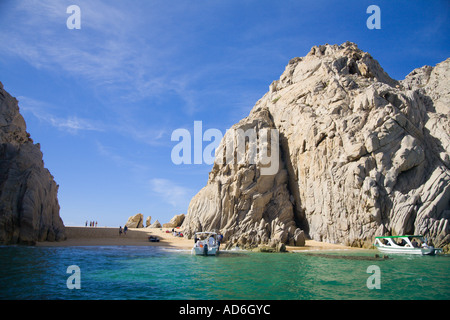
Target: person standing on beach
219	239
120	231
125	230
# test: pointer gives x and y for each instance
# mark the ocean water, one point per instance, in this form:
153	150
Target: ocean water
155	273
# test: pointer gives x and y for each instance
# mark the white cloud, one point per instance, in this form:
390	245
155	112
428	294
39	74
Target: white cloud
127	53
46	112
113	49
175	195
72	124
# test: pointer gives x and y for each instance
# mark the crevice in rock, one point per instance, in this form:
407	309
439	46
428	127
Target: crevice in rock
292	186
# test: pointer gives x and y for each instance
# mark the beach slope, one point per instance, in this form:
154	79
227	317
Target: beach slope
104	236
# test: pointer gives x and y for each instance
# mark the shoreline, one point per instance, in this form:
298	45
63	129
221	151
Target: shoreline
313	245
106	236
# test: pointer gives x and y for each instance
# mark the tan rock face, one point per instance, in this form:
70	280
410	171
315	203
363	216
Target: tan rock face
361	155
175	222
148	221
136	221
156	224
247	206
29	208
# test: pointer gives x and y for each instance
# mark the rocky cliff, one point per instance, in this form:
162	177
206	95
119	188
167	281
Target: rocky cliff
29	209
360	155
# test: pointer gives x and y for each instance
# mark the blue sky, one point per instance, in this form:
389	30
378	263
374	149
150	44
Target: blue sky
104	100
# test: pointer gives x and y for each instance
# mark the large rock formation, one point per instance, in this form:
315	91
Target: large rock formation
360	155
246	206
29	209
136	221
175	222
155	224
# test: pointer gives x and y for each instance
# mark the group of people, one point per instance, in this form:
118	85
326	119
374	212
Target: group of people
424	244
177	233
91	223
416	243
211	240
124	230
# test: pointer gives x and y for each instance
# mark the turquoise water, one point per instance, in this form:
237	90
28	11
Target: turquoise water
157	273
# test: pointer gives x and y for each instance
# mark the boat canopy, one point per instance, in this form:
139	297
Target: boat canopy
406	236
205	232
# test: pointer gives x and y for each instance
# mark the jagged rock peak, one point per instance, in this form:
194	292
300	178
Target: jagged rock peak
334	61
29	208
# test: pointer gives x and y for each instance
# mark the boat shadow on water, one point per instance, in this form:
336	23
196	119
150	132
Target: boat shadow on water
349	257
376	257
229	253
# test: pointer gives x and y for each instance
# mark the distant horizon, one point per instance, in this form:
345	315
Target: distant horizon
103	100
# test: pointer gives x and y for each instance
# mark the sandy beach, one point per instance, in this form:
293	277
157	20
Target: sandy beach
312	245
105	236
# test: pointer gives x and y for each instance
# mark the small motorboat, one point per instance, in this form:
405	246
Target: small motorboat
206	244
415	244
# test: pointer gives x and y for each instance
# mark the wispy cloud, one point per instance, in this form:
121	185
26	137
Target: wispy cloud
72	124
120	160
127	51
112	50
154	136
131	53
175	195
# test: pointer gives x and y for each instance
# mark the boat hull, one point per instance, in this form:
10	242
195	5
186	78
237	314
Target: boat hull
206	244
201	251
416	251
430	251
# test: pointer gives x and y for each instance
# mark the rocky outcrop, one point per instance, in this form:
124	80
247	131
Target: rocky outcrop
29	208
148	221
360	155
156	224
136	221
247	207
175	222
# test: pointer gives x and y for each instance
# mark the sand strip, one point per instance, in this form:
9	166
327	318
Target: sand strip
104	236
312	245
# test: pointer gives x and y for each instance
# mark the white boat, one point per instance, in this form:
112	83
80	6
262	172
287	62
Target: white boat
405	244
206	244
